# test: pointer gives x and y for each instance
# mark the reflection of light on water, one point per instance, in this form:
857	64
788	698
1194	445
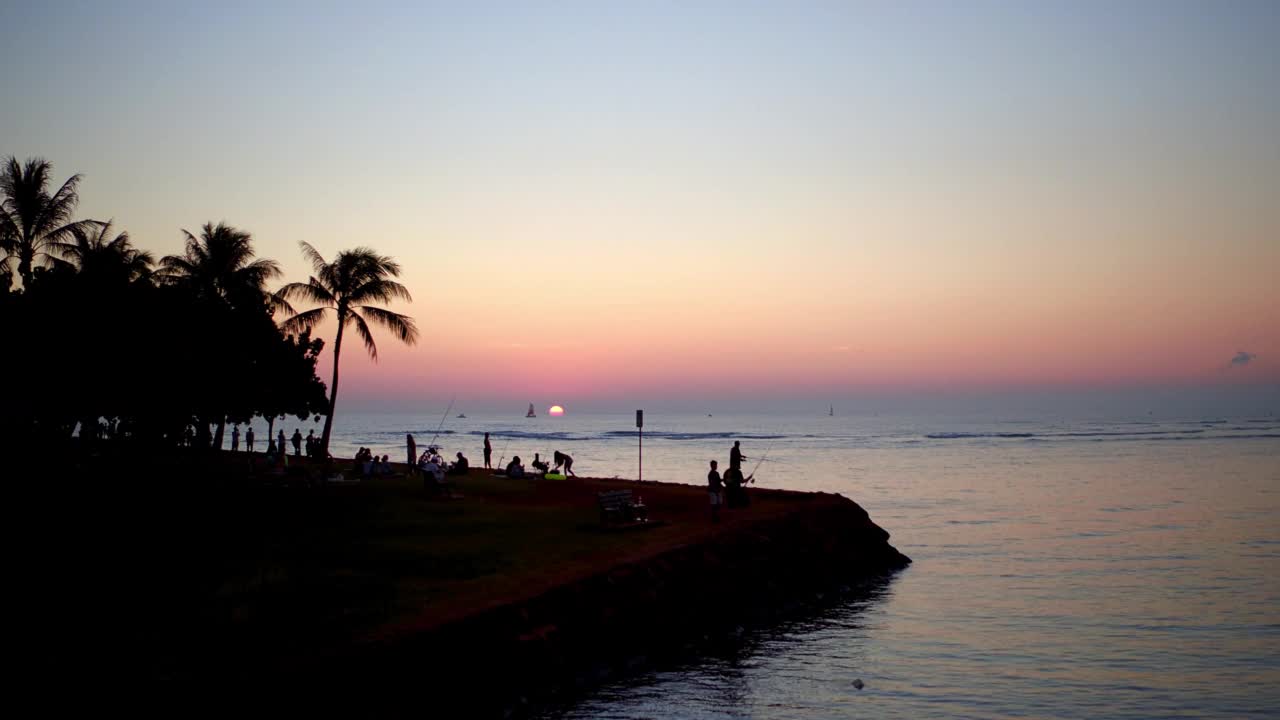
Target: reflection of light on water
555	410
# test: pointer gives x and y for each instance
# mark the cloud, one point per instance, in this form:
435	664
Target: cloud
1242	358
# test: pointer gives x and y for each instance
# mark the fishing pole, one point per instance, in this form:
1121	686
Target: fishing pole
441	425
503	456
752	477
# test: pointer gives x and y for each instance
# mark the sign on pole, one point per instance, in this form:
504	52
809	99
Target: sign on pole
640	447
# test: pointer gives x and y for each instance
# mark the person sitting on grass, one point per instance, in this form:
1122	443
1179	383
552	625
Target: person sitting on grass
515	469
461	466
540	465
433	470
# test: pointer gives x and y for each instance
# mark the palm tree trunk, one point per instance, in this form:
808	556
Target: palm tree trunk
333	387
25	259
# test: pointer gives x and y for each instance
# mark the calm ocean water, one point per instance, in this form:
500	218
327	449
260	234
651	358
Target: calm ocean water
1123	567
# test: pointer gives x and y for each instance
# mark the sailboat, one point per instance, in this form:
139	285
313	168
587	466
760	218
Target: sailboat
832	411
531	413
462	415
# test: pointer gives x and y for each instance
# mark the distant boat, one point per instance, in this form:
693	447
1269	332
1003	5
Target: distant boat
831	412
531	413
462	415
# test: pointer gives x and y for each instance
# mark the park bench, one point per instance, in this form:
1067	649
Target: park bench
618	506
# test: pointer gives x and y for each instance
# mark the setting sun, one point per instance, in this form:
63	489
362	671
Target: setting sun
556	410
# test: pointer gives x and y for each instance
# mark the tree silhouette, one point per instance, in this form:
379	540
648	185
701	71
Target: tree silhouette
219	265
36	227
354	278
95	255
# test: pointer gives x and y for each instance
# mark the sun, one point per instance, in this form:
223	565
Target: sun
556	410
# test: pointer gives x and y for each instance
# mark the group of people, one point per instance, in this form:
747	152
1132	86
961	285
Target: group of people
434	468
368	463
515	468
276	447
729	491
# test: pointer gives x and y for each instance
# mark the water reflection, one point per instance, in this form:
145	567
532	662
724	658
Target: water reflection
724	675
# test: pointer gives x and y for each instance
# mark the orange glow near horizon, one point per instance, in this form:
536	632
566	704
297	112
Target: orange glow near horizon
556	411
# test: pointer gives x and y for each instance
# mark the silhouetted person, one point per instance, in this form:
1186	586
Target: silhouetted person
539	464
297	442
735	456
248	439
461	466
735	489
280	446
514	468
715	487
235	439
312	449
562	459
488	452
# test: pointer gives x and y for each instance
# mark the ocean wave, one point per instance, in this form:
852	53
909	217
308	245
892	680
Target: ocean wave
699	435
968	435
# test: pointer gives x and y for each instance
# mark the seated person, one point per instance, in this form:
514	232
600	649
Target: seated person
539	464
515	469
433	471
461	466
384	468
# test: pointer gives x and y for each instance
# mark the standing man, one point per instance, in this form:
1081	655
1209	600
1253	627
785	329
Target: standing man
248	438
488	452
735	456
297	442
714	488
235	438
280	448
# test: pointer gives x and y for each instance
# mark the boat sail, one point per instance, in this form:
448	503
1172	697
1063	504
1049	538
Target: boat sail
832	411
531	413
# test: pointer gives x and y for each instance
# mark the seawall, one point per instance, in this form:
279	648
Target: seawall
502	660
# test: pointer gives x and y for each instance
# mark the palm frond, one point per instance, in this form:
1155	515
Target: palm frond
362	329
403	326
312	256
380	290
311	291
304	321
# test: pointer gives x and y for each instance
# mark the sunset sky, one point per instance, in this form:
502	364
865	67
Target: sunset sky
602	203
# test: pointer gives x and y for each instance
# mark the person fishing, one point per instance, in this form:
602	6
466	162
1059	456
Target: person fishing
736	488
735	456
488	452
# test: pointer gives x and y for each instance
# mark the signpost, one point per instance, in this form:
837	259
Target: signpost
640	435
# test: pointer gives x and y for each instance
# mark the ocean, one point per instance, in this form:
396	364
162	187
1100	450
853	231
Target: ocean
1121	567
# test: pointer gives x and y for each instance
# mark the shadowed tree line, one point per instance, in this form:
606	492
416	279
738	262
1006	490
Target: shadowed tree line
100	336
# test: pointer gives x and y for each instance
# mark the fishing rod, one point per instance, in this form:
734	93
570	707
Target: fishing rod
441	425
752	477
503	456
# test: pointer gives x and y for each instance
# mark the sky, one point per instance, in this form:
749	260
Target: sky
608	204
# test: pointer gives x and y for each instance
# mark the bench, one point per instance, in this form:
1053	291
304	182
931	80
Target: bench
619	506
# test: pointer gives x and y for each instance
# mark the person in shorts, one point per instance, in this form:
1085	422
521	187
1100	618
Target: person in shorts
715	490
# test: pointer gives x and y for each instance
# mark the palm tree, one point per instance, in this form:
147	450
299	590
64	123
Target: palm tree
355	277
219	265
35	227
94	253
